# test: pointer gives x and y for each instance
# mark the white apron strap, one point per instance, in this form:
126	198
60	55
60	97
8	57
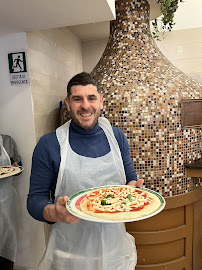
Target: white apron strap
4	157
62	134
106	126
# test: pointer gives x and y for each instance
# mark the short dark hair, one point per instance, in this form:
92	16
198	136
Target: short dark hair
84	79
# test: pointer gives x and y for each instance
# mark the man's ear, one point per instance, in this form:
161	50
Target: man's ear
101	101
67	103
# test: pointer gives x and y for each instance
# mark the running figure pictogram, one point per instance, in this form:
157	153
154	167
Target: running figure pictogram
17	62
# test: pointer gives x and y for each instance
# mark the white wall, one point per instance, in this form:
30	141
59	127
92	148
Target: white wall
54	57
183	48
92	52
188	15
16	119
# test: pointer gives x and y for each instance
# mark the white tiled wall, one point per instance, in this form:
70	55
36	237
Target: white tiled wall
54	56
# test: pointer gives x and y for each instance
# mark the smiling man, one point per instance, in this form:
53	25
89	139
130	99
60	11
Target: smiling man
84	104
85	152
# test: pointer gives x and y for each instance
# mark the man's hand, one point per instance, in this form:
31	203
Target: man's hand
58	212
15	164
137	183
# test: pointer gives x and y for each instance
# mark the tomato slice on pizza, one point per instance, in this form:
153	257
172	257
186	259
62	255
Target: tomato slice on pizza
119	203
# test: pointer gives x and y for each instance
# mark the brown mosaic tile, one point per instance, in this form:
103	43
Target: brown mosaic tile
143	93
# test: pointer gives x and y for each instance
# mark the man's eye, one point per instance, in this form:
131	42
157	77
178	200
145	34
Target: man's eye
92	98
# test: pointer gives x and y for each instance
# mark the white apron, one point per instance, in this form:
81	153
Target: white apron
89	245
8	242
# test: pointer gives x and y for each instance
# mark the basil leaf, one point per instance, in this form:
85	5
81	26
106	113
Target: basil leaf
103	202
109	196
129	197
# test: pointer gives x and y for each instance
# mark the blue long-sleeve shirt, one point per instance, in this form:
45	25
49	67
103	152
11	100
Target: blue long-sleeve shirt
46	162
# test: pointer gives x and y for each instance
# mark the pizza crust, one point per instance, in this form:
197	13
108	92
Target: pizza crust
86	206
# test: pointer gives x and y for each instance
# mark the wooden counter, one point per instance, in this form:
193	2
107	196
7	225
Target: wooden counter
172	239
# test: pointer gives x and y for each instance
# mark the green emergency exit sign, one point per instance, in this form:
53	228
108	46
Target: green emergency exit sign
18	68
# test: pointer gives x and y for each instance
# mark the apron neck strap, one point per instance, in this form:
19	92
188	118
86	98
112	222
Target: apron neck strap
1	140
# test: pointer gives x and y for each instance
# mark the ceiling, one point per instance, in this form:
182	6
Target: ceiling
87	19
92	31
30	15
101	30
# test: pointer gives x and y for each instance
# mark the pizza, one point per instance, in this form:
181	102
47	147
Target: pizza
119	203
6	171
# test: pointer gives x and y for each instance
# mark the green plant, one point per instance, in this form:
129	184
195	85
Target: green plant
168	9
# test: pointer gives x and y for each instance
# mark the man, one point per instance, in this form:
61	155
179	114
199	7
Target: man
83	153
8	243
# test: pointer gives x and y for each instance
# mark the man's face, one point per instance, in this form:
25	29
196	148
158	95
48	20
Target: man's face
84	105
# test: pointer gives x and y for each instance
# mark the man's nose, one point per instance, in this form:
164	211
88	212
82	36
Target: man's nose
86	104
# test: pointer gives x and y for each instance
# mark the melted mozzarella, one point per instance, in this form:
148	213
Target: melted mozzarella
118	201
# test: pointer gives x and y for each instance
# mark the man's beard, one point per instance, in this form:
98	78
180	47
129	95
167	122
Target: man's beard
78	123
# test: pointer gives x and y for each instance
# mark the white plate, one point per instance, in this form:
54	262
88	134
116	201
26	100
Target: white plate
73	206
2	176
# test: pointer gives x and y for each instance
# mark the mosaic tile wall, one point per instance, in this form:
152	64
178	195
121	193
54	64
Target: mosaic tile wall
142	92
